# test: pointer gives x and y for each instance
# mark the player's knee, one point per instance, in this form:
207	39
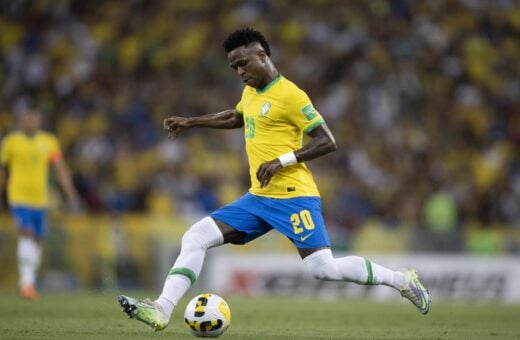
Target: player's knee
325	272
318	273
27	232
321	265
204	234
193	238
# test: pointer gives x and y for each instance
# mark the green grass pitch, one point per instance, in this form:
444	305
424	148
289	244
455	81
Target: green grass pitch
97	316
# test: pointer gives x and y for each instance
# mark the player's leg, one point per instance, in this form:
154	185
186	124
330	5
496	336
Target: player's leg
308	233
31	225
323	266
230	224
234	223
201	236
28	254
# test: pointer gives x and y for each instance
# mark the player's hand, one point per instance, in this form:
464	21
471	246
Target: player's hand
267	170
174	125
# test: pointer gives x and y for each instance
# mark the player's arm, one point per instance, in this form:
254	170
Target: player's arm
322	142
65	181
228	119
3	180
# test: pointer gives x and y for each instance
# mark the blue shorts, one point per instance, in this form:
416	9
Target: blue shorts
34	219
299	218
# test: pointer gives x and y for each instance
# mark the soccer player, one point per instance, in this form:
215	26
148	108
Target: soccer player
25	158
275	114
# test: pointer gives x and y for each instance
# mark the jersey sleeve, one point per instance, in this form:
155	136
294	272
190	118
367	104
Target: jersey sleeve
302	113
240	106
54	149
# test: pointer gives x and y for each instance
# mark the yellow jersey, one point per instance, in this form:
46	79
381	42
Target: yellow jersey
28	159
275	119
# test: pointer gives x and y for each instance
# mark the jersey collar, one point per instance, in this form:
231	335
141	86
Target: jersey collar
268	86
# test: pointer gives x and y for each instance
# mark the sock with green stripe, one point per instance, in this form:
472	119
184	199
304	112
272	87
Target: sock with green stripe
384	276
322	265
174	288
196	241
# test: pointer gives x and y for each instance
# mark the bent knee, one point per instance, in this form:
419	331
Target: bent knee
203	234
326	273
191	239
319	275
322	266
27	232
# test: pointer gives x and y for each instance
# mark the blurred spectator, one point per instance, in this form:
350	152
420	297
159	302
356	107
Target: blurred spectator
417	92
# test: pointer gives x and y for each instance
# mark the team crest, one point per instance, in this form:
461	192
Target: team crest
43	147
265	108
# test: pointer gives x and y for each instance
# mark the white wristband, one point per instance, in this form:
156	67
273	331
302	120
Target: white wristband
288	159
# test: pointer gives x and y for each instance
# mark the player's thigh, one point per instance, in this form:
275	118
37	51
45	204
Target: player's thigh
239	221
39	218
230	234
30	221
23	219
300	219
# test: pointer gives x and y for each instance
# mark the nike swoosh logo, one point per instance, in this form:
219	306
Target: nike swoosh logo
303	238
421	289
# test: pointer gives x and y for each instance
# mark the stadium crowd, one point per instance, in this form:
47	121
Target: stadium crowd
423	98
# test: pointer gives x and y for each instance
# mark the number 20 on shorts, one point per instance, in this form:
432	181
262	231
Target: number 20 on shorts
302	220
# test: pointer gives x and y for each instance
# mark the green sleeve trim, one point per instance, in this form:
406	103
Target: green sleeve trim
313	126
184	271
370	279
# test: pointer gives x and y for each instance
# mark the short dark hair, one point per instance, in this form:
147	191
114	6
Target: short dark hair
244	37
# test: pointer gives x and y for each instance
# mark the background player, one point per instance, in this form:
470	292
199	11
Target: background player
25	158
275	114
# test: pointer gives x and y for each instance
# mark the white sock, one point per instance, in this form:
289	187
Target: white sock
196	241
174	288
29	254
356	269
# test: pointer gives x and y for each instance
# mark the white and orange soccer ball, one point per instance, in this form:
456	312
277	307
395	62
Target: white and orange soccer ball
207	315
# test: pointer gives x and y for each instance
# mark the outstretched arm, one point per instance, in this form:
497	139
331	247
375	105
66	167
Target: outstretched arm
322	143
229	119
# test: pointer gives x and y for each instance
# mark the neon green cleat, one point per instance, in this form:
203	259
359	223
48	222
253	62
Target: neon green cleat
144	310
414	291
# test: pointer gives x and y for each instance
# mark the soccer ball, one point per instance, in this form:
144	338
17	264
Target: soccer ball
207	316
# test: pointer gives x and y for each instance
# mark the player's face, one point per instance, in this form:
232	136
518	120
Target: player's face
250	63
30	121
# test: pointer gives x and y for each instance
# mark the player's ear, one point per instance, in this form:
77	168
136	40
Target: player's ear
262	56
